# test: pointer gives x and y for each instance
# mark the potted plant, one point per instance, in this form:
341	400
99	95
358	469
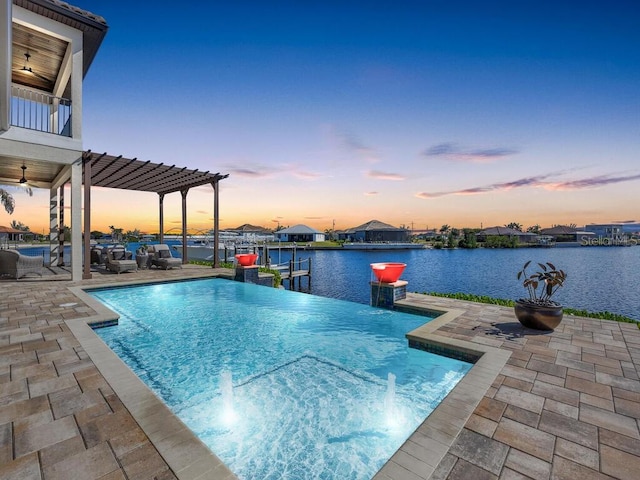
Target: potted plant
539	311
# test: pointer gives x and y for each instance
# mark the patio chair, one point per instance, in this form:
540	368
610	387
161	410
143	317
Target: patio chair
162	258
16	265
118	261
97	254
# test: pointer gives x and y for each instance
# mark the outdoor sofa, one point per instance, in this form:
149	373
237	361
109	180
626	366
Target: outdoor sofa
16	265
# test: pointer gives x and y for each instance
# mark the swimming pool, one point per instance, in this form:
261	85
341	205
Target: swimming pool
280	384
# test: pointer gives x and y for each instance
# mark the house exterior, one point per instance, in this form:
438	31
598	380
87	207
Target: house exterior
299	233
46	49
522	237
8	234
612	234
375	231
563	235
250	233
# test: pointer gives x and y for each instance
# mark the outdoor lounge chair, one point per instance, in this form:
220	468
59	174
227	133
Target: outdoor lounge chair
16	265
162	258
118	261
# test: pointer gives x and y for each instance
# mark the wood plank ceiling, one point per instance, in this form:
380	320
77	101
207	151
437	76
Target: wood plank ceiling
45	58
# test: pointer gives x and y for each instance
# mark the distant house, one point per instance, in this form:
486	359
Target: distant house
606	230
299	233
564	234
248	228
8	234
608	234
560	233
375	231
252	233
522	237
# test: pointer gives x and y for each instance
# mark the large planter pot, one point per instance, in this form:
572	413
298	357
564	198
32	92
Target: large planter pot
539	317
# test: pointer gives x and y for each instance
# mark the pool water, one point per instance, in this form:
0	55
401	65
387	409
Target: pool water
280	384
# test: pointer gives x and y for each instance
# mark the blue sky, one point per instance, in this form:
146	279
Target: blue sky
415	113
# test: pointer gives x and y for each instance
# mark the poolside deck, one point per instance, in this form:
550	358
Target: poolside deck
565	404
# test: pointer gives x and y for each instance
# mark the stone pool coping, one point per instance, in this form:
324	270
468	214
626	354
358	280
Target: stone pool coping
183	451
565	405
189	458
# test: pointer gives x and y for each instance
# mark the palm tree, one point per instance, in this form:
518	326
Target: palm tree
116	233
7	201
515	226
16	225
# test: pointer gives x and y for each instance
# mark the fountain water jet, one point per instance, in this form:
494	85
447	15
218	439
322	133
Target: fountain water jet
390	410
229	415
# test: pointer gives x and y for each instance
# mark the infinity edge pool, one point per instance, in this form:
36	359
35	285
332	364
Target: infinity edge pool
189	458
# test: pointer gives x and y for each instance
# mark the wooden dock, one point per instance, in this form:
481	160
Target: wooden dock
295	269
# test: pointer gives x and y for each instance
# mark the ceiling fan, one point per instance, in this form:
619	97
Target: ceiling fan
28	70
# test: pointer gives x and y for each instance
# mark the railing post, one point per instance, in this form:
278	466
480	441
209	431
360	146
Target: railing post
291	279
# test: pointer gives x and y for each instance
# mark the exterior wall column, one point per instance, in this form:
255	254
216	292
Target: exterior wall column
183	193
86	273
76	220
61	228
161	206
53	227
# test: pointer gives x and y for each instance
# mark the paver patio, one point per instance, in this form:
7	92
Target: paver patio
566	404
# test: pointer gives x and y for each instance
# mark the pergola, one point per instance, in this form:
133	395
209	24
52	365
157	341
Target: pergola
104	170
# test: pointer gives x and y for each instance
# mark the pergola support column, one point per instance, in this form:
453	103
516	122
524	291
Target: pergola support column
183	193
161	216
216	224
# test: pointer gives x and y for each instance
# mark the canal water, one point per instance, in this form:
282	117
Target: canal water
598	278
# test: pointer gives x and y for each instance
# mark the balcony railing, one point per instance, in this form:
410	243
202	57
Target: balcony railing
40	111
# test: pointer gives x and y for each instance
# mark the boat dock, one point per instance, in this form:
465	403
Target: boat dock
295	269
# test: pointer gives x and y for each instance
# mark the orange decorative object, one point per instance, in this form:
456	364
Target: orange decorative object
246	259
388	272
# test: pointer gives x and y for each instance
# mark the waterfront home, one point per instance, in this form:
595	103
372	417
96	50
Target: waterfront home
299	233
563	235
375	231
48	46
252	233
608	234
521	237
8	234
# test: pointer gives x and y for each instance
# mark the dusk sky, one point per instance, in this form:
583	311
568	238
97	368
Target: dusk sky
420	113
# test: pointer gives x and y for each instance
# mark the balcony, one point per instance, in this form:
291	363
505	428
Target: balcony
40	111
